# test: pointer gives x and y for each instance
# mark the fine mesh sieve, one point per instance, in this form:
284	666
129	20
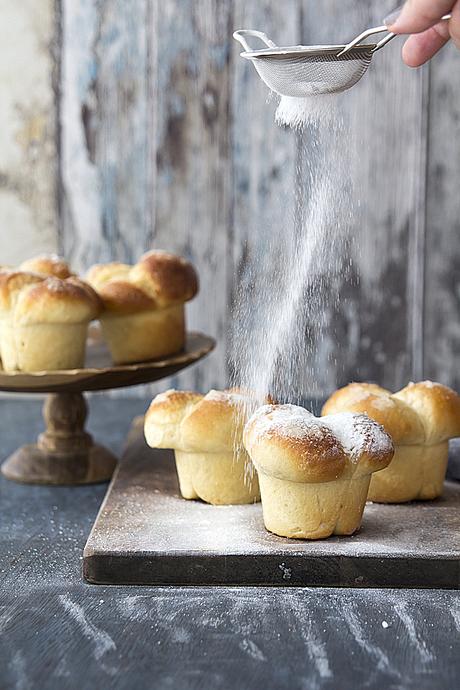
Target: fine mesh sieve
313	72
302	71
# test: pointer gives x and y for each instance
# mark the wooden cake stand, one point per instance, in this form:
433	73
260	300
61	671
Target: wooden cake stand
65	453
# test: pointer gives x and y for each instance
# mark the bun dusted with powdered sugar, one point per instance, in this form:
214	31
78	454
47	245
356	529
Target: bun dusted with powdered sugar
421	419
314	473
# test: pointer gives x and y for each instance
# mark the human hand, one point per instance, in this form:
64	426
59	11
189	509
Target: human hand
423	20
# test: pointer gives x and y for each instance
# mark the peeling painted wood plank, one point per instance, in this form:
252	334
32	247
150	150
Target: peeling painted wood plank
442	272
28	129
107	166
194	161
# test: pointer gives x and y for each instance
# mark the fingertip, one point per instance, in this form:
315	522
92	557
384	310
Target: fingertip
411	54
419	48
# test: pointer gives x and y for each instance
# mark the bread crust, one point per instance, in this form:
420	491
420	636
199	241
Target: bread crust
56	301
416	473
421	413
122	297
216	423
99	274
289	443
314	473
399	420
143	313
165	415
48	265
158	281
438	407
12	282
165	277
144	335
313	511
210	424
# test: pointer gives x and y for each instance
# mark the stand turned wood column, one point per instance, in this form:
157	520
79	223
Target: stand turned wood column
65	452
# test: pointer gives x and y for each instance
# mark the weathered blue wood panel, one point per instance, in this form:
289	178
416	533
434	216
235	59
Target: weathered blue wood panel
106	133
194	160
442	252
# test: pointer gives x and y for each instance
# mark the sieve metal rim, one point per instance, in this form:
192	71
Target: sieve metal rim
358	52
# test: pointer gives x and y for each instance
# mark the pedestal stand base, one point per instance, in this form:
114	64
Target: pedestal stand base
31	465
64	453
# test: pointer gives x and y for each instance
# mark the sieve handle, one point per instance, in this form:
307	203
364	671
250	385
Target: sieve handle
370	32
391	35
377	30
240	36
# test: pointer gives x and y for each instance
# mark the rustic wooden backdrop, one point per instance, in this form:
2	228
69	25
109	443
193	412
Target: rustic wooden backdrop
126	124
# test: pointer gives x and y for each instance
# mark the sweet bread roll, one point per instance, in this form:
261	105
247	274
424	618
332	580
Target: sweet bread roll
144	305
206	435
314	473
47	325
421	419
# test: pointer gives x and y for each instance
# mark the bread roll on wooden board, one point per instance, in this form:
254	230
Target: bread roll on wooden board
206	435
421	419
314	473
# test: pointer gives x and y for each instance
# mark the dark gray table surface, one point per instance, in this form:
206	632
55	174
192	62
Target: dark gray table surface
58	632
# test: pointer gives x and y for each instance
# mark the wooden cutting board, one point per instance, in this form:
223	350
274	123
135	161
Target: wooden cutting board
146	534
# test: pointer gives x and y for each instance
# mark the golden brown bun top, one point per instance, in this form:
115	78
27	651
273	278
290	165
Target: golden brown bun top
422	413
289	443
99	274
165	415
48	265
123	297
157	281
195	423
11	283
354	393
400	420
167	278
438	408
56	301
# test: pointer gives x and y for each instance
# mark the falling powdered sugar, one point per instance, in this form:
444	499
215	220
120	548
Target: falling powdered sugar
291	283
300	112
